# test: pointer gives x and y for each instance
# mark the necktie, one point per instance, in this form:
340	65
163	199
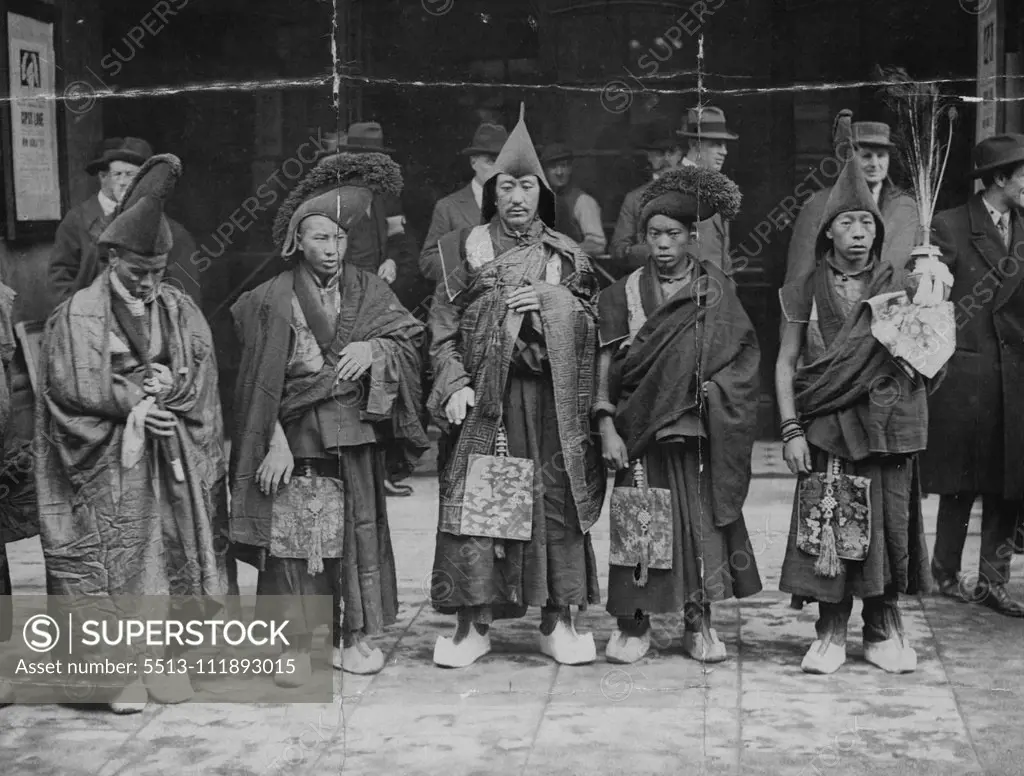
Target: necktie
1004	229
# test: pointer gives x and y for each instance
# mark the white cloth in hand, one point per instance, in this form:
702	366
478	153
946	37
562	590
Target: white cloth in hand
133	443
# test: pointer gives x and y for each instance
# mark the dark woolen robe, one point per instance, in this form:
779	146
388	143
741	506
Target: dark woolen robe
268	390
536	373
858	404
696	444
7	349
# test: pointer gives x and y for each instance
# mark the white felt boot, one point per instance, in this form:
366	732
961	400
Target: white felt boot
824	657
894	655
627	649
567	646
448	654
706	649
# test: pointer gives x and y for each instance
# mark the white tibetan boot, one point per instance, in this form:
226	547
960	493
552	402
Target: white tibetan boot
360	658
824	657
627	649
704	646
131	700
893	655
448	654
568	647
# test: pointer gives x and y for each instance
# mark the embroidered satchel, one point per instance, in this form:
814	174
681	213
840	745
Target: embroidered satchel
641	527
308	520
498	502
833	518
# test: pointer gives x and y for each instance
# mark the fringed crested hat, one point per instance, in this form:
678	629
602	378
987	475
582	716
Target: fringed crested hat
518	158
690	194
849	193
139	224
341	187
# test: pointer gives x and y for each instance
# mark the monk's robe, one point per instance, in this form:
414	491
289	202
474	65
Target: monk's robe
116	527
535	372
291	330
685	382
858	404
110	529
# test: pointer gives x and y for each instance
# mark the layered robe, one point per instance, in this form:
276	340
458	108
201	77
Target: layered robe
856	403
291	344
7	350
534	372
685	381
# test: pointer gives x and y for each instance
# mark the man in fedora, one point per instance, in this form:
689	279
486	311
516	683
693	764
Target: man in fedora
707	136
976	416
379	245
660	143
461	209
76	261
577	214
870	141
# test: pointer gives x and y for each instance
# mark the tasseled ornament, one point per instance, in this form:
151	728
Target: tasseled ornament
499	549
640	576
827	564
315	559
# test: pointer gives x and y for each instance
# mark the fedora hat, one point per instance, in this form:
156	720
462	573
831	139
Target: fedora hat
133	150
998	151
364	136
656	135
555	152
488	139
709	125
871	133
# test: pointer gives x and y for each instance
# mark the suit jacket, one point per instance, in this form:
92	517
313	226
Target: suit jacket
899	215
630	252
454	212
75	261
976	428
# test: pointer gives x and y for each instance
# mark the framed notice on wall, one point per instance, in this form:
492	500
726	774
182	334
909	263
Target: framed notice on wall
32	121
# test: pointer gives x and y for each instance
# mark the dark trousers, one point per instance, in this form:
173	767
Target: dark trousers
998	523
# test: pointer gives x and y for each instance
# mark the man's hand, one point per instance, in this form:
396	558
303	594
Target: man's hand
388	271
458	405
276	469
159	381
160	422
797	455
355	359
524	300
613	448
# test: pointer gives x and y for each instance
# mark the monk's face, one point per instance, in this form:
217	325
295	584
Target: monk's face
852	234
139	274
518	199
669	241
323	244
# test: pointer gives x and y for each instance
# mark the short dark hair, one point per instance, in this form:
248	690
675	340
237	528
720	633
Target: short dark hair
1006	171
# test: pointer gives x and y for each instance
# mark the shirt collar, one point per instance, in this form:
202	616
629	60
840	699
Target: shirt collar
331	284
995	215
107	205
478	192
688	162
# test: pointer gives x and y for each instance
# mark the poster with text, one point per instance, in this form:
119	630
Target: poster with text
32	69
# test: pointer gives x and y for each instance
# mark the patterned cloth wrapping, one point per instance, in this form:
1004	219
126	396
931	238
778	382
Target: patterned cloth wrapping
922	336
308	521
834	517
498	500
641	527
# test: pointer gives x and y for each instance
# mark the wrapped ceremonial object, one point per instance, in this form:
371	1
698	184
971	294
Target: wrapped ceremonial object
918	326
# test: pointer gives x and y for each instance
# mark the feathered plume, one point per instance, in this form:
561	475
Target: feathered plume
926	121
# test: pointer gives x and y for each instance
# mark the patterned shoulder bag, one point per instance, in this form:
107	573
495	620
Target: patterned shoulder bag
641	527
833	518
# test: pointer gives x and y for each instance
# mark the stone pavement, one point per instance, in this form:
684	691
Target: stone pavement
516	712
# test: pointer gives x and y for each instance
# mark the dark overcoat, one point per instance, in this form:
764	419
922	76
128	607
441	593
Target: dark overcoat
976	428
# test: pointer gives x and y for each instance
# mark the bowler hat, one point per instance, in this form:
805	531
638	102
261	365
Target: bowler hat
488	139
119	149
871	133
708	124
555	152
998	151
364	136
656	135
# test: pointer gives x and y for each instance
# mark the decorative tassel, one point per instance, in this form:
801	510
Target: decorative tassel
499	549
315	561
640	580
827	564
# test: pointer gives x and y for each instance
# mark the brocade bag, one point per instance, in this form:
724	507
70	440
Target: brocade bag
308	520
833	518
641	527
498	502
